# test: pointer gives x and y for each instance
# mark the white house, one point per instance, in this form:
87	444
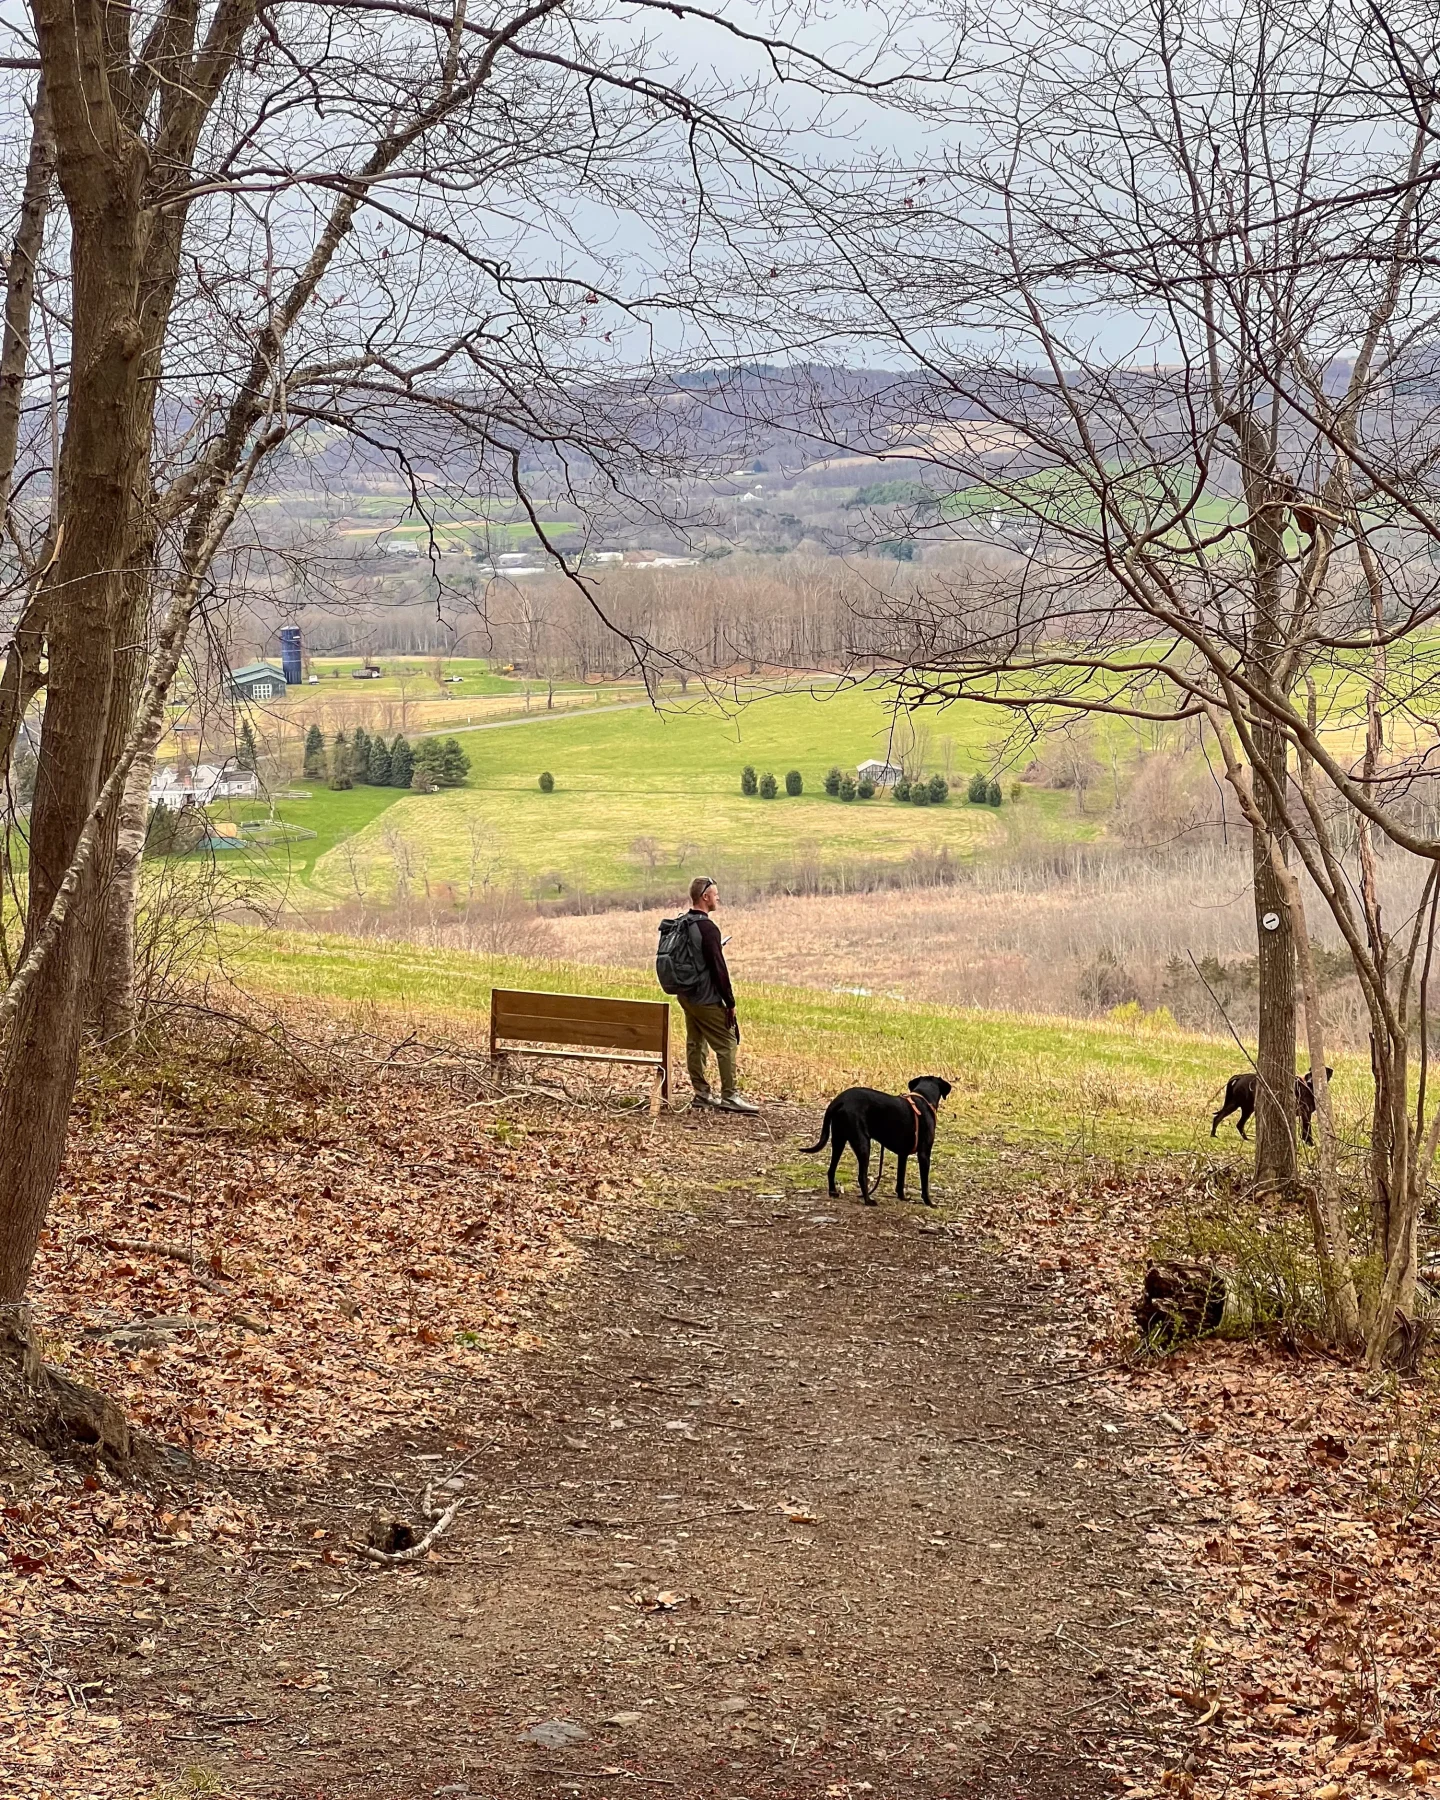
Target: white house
201	786
883	774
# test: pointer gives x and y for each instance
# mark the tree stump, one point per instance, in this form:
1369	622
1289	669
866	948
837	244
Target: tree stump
1180	1301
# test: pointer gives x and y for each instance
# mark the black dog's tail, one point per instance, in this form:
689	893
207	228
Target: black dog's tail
810	1149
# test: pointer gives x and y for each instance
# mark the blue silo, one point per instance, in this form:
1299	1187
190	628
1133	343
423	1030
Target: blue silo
291	655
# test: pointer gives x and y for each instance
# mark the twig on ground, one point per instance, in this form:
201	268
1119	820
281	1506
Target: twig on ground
203	1272
389	1559
1063	1381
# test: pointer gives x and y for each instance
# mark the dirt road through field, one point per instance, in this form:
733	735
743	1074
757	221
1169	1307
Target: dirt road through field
800	1499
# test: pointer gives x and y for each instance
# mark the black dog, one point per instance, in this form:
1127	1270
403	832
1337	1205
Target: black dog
1240	1093
902	1123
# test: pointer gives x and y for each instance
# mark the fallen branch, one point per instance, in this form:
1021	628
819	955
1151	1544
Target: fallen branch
390	1559
204	1273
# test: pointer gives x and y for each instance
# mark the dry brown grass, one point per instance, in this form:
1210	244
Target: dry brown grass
1024	936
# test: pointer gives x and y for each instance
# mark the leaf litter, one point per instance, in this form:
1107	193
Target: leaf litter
352	1247
1305	1527
265	1269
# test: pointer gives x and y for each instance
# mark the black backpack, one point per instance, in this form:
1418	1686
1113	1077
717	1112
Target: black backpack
679	960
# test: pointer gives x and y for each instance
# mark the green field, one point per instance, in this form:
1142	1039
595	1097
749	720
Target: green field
1094	1085
413	676
674	777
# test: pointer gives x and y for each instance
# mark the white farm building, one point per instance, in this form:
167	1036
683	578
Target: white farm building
201	786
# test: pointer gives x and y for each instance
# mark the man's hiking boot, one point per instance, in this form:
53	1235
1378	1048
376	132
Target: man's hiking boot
738	1103
704	1100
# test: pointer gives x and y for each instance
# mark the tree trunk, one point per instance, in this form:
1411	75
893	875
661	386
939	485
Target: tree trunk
20	288
115	987
110	996
101	169
1275	946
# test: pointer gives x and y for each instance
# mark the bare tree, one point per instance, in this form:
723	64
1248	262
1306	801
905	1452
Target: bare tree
336	222
1193	256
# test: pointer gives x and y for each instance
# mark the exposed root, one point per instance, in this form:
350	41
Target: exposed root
59	1414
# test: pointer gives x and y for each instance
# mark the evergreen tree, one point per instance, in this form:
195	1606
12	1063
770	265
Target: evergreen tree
902	789
454	764
865	788
402	763
245	756
978	791
422	779
360	754
769	787
919	792
315	754
939	790
794	783
749	783
340	777
994	796
832	783
377	763
428	755
847	787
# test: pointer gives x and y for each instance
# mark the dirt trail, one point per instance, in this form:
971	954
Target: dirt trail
800	1497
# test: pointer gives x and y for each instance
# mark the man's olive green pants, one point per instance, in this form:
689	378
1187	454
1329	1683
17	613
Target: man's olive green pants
708	1026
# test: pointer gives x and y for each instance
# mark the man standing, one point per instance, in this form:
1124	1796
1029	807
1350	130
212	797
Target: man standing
710	1008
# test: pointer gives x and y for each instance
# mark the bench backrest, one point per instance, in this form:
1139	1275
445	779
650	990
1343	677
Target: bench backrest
635	1025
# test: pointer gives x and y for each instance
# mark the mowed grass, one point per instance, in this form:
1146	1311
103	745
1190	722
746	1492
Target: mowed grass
414	676
1094	1087
638	792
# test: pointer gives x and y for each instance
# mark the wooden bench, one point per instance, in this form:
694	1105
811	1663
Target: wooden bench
620	1031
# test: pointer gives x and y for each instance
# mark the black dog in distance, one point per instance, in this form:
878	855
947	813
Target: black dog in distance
1240	1096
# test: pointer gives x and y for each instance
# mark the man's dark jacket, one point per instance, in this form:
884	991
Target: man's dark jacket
715	990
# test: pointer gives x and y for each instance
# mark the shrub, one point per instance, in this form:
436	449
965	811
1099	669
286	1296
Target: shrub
1268	1263
847	787
865	788
454	764
920	793
794	784
978	792
993	796
174	831
547	783
316	767
422	779
832	782
341	780
939	790
902	789
402	763
748	783
769	786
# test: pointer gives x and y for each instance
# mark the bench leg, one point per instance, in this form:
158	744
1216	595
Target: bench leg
657	1089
